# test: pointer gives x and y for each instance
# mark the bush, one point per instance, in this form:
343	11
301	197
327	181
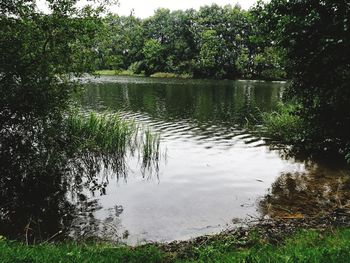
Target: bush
283	124
314	35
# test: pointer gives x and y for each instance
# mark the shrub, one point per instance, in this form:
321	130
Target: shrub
283	124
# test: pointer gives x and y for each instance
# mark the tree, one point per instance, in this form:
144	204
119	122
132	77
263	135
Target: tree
214	42
40	53
211	55
229	25
261	57
316	37
153	53
119	42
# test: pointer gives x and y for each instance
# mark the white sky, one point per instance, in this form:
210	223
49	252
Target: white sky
145	8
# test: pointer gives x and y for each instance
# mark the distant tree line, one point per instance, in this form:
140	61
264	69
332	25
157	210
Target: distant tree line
214	42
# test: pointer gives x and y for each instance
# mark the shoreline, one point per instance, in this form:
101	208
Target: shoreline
166	75
267	240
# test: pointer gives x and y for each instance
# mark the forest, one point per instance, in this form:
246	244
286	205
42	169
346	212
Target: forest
214	42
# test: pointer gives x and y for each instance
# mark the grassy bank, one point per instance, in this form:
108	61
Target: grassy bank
171	75
108	72
306	246
132	74
285	125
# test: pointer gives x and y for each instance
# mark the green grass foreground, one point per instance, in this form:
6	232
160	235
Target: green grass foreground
306	246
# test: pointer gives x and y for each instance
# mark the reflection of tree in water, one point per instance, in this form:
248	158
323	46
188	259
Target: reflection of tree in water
248	113
55	203
200	101
85	226
317	191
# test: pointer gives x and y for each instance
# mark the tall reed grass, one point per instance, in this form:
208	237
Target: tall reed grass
104	133
103	142
108	137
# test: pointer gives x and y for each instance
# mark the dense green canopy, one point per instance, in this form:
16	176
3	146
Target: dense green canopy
214	42
316	38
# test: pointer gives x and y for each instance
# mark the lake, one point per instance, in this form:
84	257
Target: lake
214	170
213	173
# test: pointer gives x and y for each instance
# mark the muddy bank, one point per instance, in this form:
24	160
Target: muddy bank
254	231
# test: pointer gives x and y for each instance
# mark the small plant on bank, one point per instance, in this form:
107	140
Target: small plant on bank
283	124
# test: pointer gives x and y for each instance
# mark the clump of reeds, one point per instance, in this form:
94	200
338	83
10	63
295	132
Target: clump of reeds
150	146
108	138
104	133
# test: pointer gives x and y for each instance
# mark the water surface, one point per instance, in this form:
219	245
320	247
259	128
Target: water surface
214	171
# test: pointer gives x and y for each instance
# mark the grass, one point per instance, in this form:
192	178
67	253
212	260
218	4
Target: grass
151	145
101	132
108	133
284	124
306	246
12	252
118	73
170	75
108	72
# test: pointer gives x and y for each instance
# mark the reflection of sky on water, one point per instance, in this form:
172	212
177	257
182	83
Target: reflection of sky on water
213	171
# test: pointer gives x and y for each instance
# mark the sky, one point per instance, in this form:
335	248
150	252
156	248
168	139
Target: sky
145	8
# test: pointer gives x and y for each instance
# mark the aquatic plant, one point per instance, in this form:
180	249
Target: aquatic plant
151	144
109	138
101	145
105	133
283	124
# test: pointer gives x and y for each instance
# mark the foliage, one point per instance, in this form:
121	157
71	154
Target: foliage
153	54
284	124
119	42
214	42
347	156
315	36
40	53
263	58
40	147
220	34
